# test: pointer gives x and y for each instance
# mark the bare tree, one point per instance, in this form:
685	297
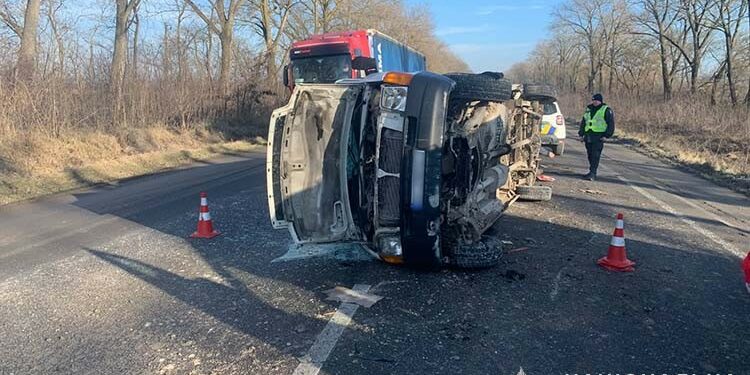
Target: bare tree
726	18
223	26
10	19
270	23
616	22
124	12
694	13
26	63
658	18
57	31
584	18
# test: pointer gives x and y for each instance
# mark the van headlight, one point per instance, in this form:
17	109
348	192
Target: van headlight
389	249
393	98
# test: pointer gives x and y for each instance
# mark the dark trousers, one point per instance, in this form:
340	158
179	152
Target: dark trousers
594	152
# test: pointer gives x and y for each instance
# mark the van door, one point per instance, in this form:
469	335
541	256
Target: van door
306	166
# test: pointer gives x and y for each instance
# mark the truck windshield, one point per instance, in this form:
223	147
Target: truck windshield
321	69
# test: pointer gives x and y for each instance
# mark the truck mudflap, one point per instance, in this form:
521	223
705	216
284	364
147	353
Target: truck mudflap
426	107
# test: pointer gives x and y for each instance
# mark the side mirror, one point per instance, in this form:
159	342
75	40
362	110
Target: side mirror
285	77
368	64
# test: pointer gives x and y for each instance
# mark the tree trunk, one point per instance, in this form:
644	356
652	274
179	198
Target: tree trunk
666	78
715	82
695	68
136	32
730	78
25	65
592	71
119	56
226	40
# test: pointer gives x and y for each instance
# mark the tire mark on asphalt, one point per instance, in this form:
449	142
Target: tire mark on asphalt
705	232
312	362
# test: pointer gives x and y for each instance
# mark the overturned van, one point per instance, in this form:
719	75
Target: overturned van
415	166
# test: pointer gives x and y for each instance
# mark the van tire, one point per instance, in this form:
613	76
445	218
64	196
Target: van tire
539	92
487	86
534	193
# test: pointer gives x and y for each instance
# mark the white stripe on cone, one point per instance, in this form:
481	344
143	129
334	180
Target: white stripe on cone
618	241
204	201
205	216
619	224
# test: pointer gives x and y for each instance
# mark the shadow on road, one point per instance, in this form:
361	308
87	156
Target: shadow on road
681	310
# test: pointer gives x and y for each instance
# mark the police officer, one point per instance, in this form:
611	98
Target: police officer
598	123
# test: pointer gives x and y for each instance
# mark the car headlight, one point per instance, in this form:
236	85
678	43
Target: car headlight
393	98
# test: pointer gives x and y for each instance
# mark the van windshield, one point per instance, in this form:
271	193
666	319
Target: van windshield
321	69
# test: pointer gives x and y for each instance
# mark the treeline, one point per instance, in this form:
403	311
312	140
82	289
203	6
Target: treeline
641	47
112	66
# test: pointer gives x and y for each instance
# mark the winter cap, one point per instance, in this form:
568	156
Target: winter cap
598	97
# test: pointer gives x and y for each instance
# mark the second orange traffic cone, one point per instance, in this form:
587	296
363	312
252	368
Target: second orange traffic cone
205	224
617	258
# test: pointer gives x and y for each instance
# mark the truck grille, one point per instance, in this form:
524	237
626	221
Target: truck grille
389	191
391	147
388	201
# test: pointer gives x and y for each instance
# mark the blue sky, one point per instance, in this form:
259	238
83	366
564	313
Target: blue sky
491	35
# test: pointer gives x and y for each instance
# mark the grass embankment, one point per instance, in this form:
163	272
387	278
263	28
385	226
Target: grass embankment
711	140
35	164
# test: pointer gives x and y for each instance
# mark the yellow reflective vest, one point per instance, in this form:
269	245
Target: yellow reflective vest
596	124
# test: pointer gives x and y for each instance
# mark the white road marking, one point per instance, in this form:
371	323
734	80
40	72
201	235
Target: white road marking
705	232
697	207
312	362
556	285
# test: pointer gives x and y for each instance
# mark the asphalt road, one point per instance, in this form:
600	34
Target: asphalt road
105	281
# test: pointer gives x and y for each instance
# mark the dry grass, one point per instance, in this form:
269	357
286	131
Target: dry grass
712	139
57	134
54	165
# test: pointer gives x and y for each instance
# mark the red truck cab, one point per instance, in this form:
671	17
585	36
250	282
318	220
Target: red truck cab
326	58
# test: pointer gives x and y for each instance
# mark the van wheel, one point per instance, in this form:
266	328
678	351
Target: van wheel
534	193
539	92
485	86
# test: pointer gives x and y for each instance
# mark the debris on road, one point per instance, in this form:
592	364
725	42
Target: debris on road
518	250
592	191
341	252
343	294
545	178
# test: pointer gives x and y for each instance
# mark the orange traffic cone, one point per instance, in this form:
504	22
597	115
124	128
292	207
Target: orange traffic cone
617	259
205	225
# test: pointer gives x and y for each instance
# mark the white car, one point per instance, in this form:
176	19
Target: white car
553	128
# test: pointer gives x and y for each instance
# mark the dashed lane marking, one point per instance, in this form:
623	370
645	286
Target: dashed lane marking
313	361
705	232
